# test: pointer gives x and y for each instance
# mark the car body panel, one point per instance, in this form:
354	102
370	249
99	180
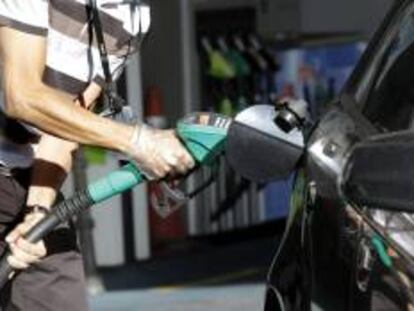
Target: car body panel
327	258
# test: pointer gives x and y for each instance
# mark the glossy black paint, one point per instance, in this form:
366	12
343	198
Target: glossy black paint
323	243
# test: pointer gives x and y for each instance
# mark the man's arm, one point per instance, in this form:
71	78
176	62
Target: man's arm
29	99
52	164
53	161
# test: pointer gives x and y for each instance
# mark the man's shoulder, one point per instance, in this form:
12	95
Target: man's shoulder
29	16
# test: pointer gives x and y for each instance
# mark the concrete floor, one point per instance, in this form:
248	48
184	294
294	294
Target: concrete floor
215	298
217	278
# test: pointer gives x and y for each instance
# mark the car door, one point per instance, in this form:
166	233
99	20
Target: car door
322	262
382	90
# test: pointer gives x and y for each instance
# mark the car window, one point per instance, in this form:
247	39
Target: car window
390	104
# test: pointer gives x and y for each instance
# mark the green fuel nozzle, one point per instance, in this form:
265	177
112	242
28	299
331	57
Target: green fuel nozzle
204	135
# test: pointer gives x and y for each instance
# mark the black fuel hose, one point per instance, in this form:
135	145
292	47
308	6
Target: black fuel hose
61	213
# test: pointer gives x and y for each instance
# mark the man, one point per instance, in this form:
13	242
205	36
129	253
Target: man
52	75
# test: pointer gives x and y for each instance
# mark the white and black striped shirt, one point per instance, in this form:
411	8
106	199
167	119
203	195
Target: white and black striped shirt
73	60
72	57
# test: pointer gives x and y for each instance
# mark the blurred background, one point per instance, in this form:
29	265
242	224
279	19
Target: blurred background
213	55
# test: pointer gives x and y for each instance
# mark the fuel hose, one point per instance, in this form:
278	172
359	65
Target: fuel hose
113	184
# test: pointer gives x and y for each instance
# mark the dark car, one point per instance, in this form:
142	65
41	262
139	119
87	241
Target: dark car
353	248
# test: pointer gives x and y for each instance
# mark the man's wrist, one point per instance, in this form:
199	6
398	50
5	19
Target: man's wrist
136	137
135	140
126	146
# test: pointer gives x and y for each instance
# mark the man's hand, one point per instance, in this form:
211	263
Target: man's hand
159	153
43	186
24	253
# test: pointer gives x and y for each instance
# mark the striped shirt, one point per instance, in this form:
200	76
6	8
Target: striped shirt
73	60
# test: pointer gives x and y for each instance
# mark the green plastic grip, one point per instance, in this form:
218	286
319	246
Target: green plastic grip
381	251
203	142
115	183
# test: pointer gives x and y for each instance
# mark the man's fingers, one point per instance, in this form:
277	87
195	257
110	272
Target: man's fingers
171	158
181	162
23	252
163	165
91	94
88	98
13	236
17	264
161	154
179	158
33	218
187	160
22	256
157	171
181	166
38	249
29	221
163	170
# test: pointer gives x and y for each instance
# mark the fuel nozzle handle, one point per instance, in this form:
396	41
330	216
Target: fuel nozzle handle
380	173
204	140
